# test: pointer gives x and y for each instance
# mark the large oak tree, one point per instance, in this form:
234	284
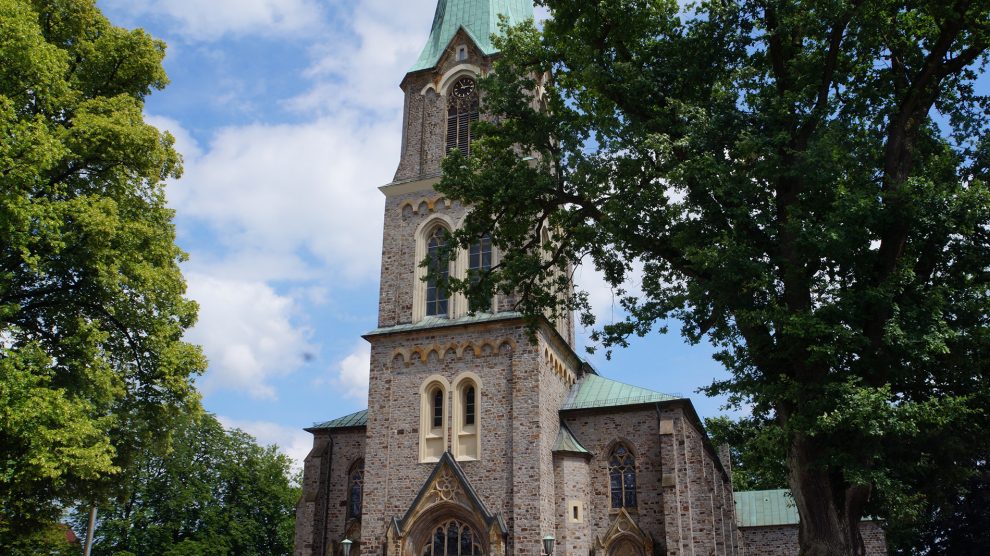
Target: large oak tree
804	183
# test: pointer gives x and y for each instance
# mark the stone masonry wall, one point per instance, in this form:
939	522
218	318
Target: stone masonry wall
572	484
699	519
598	431
348	448
782	540
312	496
321	513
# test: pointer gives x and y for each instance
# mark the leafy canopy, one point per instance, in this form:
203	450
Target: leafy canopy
804	183
216	493
92	366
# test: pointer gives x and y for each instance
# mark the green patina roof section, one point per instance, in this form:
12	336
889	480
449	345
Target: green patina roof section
567	443
478	17
596	391
359	419
762	508
437	322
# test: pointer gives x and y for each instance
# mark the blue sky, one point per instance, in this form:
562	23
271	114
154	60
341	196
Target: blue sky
288	115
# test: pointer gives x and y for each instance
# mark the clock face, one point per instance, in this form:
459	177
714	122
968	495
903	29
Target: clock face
463	88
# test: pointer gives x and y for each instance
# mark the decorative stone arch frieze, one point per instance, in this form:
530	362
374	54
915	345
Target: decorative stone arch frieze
442	351
433	435
432	204
446	494
559	366
623	538
466	393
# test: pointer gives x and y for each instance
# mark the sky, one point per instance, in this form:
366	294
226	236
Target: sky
288	115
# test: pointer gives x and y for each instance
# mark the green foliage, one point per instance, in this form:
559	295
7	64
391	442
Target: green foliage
92	366
216	493
756	450
804	183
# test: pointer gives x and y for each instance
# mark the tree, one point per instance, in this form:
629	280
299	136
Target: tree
803	183
92	366
756	452
215	493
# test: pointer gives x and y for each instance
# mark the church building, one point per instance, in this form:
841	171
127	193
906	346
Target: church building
478	441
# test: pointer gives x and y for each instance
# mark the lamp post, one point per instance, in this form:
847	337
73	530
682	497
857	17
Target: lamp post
548	544
346	543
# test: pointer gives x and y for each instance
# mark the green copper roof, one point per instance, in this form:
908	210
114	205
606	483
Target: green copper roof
761	508
567	443
359	419
596	391
437	322
478	17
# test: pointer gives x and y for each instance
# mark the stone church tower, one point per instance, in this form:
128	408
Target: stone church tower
477	440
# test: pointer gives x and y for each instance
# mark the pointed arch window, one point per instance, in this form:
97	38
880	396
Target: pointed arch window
453	538
479	262
437	301
622	477
462	111
355	489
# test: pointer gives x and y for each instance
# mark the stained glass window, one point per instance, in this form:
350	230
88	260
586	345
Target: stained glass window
355	491
453	538
622	477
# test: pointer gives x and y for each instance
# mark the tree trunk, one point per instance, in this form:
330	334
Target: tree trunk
829	525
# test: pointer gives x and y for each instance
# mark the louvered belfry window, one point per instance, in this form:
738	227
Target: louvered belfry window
462	111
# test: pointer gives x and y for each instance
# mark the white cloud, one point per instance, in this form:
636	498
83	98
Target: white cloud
352	373
247	332
292	442
361	70
211	20
290	202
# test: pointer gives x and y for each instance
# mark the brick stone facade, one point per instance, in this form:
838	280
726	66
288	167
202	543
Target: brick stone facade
782	540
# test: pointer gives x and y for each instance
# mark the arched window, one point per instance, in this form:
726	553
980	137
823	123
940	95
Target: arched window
467	417
453	538
437	303
479	262
462	111
622	477
433	427
355	489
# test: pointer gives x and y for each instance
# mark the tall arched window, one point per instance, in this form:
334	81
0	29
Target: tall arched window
479	262
467	417
453	538
622	477
355	489
462	111
437	302
433	419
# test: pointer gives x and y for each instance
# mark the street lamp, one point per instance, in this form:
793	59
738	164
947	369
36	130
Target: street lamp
548	545
346	543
